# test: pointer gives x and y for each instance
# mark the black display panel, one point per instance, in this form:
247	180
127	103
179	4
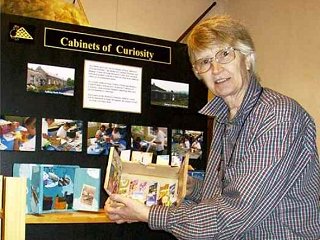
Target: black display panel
27	43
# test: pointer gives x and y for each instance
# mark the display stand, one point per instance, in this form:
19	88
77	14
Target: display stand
128	72
13	212
13	216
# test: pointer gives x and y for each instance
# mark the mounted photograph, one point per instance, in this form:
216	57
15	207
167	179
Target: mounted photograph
103	135
186	141
61	135
149	139
17	133
169	94
50	79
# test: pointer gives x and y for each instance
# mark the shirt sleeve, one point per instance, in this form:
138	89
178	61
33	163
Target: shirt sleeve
254	187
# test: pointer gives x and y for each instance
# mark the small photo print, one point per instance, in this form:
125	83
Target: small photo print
140	193
152	194
124	186
103	135
149	139
167	194
186	141
61	135
164	197
50	79
17	133
169	94
163	160
87	194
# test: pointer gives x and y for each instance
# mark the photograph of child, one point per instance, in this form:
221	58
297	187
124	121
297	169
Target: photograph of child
61	135
17	133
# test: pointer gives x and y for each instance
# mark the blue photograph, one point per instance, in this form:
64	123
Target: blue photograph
103	135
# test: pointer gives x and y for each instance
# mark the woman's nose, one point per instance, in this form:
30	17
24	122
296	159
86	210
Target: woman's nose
216	67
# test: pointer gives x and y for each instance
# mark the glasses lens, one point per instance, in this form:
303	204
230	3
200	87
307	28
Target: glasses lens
202	65
225	55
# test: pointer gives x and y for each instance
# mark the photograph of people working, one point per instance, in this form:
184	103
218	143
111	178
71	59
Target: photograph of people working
102	136
183	142
17	133
263	175
61	135
149	139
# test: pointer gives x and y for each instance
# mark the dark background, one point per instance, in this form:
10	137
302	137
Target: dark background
16	101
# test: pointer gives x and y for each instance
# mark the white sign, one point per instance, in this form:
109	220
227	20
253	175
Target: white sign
112	87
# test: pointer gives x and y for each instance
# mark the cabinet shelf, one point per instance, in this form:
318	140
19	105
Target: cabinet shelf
68	217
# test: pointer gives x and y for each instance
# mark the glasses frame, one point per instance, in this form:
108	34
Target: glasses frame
214	58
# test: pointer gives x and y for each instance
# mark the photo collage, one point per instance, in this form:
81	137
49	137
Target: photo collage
145	144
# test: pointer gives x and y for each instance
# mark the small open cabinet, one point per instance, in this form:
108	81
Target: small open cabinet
150	184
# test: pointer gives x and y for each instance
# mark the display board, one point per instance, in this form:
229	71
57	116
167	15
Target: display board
83	79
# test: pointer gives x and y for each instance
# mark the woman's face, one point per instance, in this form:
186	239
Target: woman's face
228	81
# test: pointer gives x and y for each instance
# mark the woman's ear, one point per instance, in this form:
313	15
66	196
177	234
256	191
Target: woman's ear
196	74
248	61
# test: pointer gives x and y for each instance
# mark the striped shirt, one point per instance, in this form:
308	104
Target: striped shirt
271	184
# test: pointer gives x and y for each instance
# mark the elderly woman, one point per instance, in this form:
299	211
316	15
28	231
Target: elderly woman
263	176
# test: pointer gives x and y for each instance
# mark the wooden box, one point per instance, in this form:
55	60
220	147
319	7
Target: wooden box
151	184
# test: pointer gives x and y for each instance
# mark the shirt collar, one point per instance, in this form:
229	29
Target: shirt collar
219	109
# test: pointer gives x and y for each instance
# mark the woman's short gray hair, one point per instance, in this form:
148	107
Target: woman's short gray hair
221	30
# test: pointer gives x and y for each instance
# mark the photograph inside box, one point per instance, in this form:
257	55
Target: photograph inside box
67	11
151	184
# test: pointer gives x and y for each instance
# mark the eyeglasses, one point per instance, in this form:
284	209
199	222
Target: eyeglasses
223	56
